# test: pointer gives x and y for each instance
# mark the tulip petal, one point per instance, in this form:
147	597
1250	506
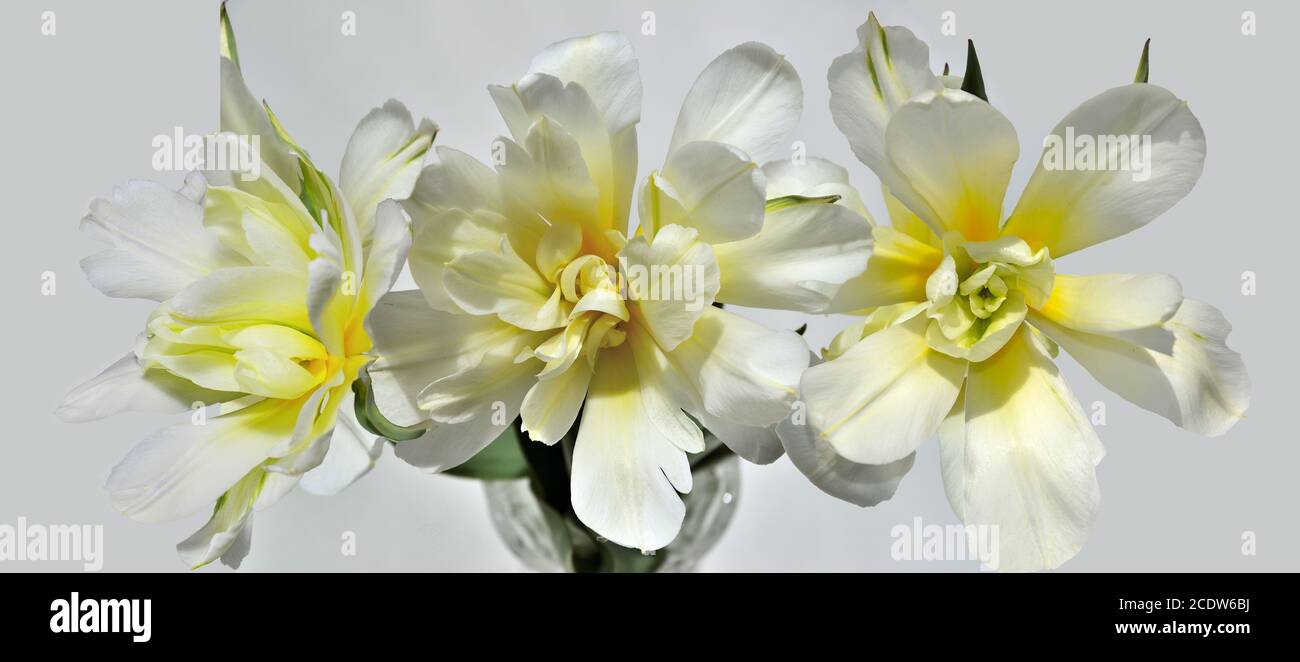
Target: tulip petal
352	454
1182	370
759	445
813	178
242	115
543	96
952	455
1066	209
382	160
672	280
605	66
721	192
453	180
739	370
549	176
229	525
390	242
1112	302
956	152
500	282
472	406
552	404
626	474
750	97
264	294
126	386
882	398
159	243
896	273
1028	459
453	232
859	484
184	467
797	261
417	345
888	68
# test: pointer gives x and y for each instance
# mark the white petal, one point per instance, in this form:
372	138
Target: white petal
352	454
759	445
1182	370
882	398
454	180
442	238
816	459
549	176
543	96
797	261
749	97
1113	302
185	467
812	177
672	280
1069	209
625	473
667	392
246	293
223	531
500	282
473	406
889	67
125	386
896	273
383	159
243	115
952	455
552	404
390	242
956	152
721	192
741	371
1029	459
605	66
327	306
417	345
159	244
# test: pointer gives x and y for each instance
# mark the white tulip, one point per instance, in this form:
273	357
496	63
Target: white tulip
264	284
964	311
534	301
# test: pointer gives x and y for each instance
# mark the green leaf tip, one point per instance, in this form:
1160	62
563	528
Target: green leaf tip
228	48
787	201
1144	64
973	81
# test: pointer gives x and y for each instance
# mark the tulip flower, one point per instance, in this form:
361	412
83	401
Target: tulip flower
264	277
964	310
535	303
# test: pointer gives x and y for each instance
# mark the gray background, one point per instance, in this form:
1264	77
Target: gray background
82	107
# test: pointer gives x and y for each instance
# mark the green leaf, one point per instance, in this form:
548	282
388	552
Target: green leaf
1144	64
228	49
499	460
370	418
785	202
973	80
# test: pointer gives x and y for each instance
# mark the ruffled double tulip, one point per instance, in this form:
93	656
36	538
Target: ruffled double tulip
264	273
964	310
535	302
